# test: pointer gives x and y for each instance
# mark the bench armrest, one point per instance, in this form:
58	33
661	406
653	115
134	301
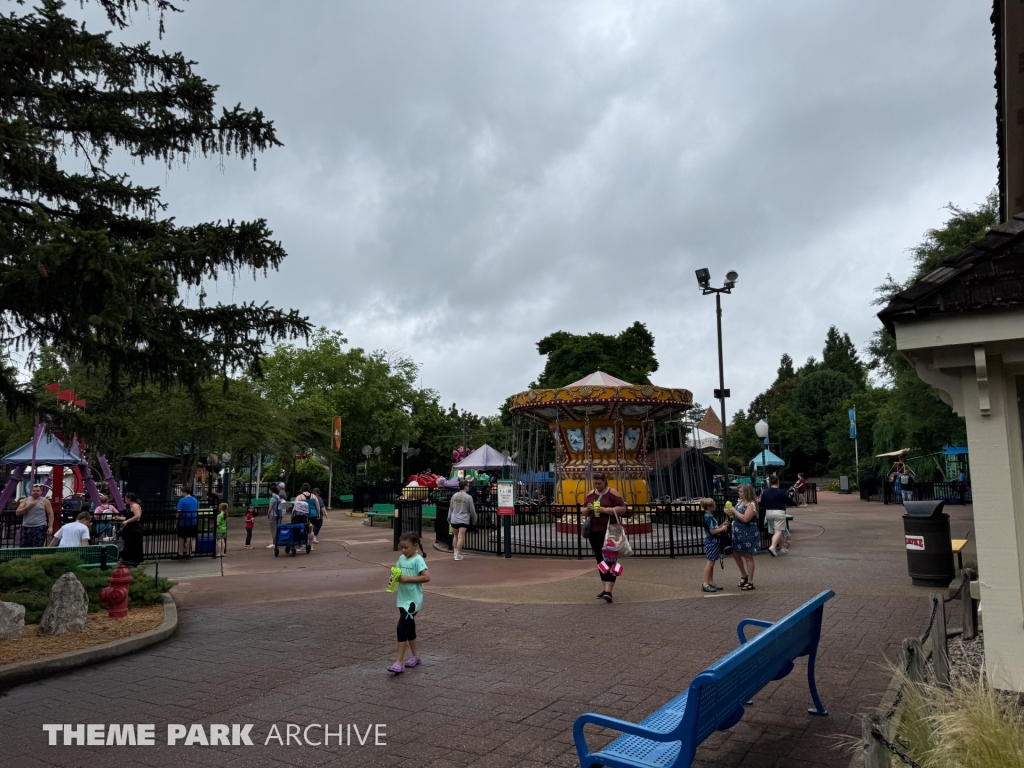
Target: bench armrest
624	726
750	623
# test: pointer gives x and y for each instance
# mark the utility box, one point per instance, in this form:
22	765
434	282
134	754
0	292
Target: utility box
929	544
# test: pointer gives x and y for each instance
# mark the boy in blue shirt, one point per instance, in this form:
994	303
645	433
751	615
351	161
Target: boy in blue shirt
712	544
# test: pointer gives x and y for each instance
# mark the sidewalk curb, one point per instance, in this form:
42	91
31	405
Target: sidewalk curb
21	672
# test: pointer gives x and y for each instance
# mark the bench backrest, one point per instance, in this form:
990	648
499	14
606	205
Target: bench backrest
717	694
388	508
93	553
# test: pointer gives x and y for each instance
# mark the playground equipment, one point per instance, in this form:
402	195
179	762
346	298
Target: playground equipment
599	424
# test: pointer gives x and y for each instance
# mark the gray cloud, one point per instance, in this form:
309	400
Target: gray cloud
461	178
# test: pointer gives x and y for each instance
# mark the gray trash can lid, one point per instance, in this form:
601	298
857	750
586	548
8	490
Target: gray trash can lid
924	508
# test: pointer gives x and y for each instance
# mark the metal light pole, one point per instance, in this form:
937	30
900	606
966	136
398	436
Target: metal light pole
704	281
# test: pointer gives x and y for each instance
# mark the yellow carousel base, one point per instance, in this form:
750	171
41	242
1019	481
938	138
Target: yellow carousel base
574	491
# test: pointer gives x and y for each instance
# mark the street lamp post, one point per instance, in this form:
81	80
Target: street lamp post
761	428
704	281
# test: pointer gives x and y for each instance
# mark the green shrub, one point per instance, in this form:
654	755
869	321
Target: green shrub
28	582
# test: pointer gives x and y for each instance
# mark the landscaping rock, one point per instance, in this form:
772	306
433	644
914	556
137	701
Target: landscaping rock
68	608
12	621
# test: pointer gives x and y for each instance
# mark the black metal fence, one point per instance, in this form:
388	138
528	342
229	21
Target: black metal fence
654	530
881	490
365	496
159	532
408	519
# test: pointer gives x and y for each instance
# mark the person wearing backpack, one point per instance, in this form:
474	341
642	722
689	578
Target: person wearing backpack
306	504
275	514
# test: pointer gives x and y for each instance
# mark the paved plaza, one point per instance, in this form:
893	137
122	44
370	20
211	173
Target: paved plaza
514	650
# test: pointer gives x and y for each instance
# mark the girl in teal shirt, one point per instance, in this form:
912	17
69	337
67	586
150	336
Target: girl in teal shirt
410	599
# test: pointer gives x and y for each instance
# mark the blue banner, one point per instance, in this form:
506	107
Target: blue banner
853	423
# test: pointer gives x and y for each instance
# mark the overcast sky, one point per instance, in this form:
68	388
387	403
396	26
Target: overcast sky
460	179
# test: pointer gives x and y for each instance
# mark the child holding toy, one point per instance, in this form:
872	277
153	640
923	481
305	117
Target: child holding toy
712	544
413	566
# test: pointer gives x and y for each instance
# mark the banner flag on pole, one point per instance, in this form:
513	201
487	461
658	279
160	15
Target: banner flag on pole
853	423
336	434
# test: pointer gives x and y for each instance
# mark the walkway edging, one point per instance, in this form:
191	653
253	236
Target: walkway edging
21	672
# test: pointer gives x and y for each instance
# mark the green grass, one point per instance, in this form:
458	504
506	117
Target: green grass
28	582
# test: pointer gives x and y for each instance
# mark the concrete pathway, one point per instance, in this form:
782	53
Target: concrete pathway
514	651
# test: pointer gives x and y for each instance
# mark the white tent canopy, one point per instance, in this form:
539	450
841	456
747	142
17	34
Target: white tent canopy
485	457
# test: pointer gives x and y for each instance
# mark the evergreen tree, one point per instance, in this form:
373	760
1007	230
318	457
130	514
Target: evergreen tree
840	355
89	262
785	371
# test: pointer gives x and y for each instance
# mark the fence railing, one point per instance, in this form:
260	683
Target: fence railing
159	532
365	496
654	530
952	492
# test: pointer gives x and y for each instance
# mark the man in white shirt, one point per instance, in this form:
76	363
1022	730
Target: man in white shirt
74	534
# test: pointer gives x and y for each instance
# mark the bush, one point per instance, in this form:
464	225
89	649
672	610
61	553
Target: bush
28	582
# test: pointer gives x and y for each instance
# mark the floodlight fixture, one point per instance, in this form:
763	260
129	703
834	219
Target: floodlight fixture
704	277
730	278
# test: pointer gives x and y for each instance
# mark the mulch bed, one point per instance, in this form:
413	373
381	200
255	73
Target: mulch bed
99	629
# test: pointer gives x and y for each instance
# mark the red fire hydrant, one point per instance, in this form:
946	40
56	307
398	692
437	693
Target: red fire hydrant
115	597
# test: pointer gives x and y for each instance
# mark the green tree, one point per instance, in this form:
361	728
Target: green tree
628	356
913	416
821	392
870	403
89	262
785	371
840	355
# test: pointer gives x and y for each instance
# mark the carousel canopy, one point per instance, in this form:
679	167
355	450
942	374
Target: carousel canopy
600	379
601	396
767	459
485	457
49	450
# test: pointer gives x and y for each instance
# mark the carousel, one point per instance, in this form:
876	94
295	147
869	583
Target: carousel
601	424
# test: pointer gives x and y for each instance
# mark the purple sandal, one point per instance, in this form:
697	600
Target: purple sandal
396	668
412	661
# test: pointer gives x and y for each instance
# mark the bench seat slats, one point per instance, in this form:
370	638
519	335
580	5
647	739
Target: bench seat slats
636	749
655	753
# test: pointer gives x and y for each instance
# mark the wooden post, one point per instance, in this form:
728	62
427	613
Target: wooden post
915	669
874	753
970	611
940	650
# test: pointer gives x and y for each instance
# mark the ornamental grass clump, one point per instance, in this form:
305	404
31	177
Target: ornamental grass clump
972	725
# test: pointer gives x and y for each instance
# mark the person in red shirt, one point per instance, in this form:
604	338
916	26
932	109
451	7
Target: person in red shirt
611	504
250	521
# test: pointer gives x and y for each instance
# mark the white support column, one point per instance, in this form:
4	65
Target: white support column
997	486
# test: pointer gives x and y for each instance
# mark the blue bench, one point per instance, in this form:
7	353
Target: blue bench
716	697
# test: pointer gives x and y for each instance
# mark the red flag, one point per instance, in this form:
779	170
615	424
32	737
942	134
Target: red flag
67	396
80	403
53	387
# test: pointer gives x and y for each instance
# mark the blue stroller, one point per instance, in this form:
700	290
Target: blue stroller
291	536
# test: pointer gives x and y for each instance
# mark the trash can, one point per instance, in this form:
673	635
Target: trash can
929	544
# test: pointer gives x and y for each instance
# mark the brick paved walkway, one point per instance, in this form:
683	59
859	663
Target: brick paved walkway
501	684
